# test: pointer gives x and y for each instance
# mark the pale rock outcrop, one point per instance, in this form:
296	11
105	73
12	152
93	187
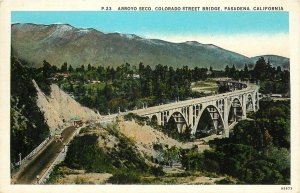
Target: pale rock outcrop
60	110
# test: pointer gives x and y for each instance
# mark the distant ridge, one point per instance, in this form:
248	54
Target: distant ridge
275	60
59	43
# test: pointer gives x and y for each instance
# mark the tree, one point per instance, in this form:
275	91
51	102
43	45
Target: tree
80	69
227	71
232	73
246	71
267	138
89	67
64	67
260	69
108	92
280	156
28	126
149	88
46	69
71	68
278	69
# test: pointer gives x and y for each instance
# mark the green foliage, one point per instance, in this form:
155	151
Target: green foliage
275	117
257	152
170	156
262	172
271	126
249	133
260	69
83	153
279	156
64	67
157	171
271	79
279	87
28	127
56	173
127	87
140	120
192	160
127	177
123	161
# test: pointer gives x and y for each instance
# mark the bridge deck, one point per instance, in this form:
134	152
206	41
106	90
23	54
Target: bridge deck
165	107
150	110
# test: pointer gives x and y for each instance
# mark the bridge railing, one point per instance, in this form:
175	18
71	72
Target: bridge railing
61	157
33	152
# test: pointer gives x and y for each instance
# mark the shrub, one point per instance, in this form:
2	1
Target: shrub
157	171
125	177
226	180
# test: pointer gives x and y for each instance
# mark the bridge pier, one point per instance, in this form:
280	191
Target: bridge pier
226	114
244	107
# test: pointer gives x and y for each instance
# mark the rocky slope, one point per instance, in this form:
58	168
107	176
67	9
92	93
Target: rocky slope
145	137
60	109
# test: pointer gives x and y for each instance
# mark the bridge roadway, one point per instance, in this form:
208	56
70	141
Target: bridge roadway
165	107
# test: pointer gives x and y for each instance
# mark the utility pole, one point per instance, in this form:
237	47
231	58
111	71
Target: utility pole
20	158
37	179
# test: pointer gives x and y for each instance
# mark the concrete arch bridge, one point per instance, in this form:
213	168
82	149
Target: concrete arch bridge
208	115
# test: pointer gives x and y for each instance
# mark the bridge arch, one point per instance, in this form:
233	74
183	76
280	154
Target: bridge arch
235	111
209	121
154	119
235	99
249	102
178	120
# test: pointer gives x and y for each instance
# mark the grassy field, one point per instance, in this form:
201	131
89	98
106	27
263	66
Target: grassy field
208	86
207	83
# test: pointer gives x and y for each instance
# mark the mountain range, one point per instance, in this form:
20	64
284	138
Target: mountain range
59	43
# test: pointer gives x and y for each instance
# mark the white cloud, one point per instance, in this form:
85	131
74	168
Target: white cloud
246	44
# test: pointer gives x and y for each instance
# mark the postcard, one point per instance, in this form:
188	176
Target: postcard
149	96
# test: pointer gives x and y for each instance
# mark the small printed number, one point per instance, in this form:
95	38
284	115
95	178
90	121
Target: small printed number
106	8
286	188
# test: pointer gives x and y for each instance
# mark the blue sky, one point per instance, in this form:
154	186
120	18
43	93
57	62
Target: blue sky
164	22
205	27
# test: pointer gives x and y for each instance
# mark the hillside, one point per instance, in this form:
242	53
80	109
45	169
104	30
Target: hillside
275	60
27	123
59	43
126	153
145	137
35	113
60	109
